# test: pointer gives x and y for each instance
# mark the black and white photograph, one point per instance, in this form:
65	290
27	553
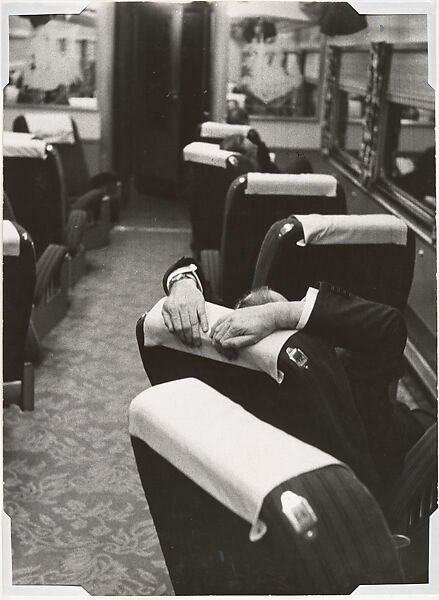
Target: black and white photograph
219	298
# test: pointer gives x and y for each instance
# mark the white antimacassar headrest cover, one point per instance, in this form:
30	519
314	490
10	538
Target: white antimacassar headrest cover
212	129
11	239
304	184
207	154
352	229
227	451
259	357
22	145
53	128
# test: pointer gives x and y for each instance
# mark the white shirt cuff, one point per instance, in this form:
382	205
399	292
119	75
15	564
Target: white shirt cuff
192	269
310	300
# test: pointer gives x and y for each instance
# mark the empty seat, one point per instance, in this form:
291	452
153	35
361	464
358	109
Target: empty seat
254	202
18	289
35	187
50	296
209	175
32	177
98	195
370	255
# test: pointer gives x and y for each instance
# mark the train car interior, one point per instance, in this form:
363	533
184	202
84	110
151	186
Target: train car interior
219	298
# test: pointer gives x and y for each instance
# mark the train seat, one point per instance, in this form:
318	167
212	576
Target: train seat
34	183
370	255
99	195
253	203
19	277
232	509
209	175
260	385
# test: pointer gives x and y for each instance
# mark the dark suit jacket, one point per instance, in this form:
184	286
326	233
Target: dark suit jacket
344	409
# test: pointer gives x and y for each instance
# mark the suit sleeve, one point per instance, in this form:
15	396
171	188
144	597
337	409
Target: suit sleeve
375	334
185	261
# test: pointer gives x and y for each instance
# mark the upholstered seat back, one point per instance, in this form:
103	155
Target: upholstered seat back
76	174
370	255
18	290
210	172
254	202
35	188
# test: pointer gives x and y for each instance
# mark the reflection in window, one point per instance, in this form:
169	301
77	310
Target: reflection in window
52	60
275	64
350	123
410	153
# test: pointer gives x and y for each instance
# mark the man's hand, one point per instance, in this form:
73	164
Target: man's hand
184	312
244	327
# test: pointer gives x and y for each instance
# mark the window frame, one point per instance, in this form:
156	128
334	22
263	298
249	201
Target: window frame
381	188
383	184
347	160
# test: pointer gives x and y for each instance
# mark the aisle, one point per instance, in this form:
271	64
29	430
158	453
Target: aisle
79	516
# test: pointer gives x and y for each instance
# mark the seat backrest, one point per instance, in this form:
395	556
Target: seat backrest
36	191
210	172
18	290
77	179
366	261
206	546
254	202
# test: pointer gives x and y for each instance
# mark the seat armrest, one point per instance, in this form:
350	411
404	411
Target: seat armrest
104	178
89	200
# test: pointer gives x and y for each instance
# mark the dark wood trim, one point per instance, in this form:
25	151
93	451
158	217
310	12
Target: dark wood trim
275	118
410	100
355	48
410	47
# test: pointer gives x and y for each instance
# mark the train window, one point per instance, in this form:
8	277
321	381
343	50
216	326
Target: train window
348	105
409	157
273	64
407	165
53	59
351	108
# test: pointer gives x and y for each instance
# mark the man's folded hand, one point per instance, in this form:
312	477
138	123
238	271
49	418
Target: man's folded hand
184	312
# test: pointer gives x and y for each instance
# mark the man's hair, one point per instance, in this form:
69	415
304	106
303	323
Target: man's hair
232	143
255	297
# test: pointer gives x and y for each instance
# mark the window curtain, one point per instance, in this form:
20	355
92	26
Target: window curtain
126	98
332	70
374	101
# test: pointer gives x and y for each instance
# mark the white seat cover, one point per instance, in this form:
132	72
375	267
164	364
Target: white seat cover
11	239
213	129
352	229
231	454
22	145
304	184
207	154
54	128
262	356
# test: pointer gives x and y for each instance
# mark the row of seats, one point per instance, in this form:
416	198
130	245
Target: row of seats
231	210
56	208
314	528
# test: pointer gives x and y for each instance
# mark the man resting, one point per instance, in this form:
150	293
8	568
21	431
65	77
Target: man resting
373	336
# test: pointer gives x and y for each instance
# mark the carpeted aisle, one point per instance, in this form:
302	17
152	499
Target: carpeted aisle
71	487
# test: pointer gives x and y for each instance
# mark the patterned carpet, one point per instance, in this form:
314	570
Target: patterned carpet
71	487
